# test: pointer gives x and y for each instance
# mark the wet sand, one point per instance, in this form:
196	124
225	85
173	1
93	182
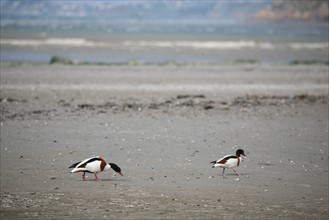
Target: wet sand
162	126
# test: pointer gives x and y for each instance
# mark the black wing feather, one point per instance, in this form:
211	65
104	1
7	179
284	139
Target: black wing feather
89	161
74	165
230	157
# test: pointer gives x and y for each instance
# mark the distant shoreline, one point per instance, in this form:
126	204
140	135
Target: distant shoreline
57	60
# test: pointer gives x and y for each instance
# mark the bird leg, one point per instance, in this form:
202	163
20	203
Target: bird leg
235	172
96	178
223	174
83	176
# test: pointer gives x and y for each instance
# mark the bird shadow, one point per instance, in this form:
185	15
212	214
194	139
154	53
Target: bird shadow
101	180
233	174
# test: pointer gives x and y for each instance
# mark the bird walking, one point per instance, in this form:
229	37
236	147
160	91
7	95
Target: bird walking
94	165
229	161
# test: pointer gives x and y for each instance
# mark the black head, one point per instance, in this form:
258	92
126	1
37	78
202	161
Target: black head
116	168
240	152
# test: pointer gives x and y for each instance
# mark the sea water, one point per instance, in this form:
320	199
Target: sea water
165	42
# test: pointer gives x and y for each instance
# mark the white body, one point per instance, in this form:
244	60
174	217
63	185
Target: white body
92	167
229	163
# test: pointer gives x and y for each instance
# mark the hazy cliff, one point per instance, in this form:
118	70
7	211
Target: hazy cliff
311	10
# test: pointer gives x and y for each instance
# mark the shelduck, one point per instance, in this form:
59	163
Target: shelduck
229	161
94	165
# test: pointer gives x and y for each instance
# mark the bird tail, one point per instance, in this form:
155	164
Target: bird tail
75	170
215	164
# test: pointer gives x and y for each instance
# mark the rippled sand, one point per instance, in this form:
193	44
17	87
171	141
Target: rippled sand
162	126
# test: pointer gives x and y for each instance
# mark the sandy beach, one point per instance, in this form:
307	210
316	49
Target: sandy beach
163	125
